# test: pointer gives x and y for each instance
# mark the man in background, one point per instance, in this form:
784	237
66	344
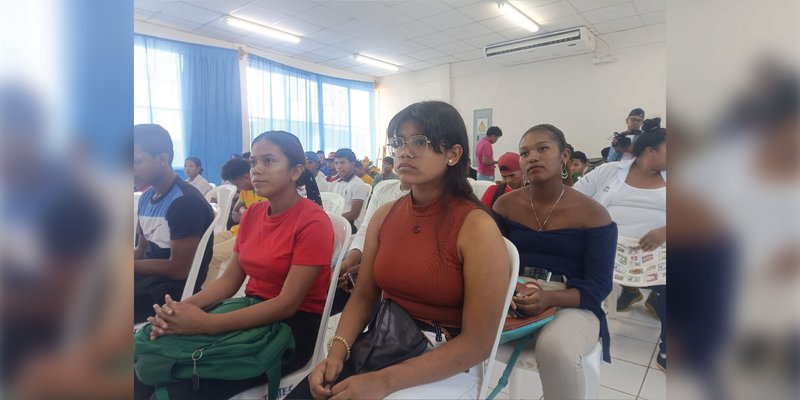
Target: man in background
386	172
579	166
511	172
632	130
361	172
483	150
330	164
173	215
323	163
354	190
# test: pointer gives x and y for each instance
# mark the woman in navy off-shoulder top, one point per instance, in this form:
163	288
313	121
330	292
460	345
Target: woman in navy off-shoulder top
564	236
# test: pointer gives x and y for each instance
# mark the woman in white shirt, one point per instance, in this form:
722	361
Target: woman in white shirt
193	169
635	194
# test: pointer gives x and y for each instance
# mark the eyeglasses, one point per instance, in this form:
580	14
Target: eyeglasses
416	144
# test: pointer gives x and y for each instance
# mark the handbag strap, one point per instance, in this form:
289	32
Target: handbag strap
501	188
433	324
512	361
161	393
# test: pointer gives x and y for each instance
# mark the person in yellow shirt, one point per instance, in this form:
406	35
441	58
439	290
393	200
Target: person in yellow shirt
361	172
237	172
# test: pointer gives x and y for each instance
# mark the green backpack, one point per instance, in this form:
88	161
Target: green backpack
230	356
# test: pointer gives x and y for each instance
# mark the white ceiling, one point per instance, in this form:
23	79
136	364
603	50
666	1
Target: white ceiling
412	34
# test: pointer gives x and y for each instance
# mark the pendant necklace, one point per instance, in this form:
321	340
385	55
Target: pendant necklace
418	226
542	225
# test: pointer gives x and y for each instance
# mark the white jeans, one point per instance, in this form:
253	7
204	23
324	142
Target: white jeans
559	347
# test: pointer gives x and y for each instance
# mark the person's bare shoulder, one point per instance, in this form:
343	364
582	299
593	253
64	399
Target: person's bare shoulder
505	203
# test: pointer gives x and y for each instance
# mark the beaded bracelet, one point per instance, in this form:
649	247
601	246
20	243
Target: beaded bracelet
339	339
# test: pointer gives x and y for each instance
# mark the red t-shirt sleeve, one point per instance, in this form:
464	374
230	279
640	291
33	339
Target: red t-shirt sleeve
314	245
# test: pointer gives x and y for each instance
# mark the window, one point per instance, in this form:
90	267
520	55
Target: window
285	102
324	113
157	94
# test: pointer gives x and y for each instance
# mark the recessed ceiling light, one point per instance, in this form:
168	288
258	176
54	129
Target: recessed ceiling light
264	30
517	16
375	62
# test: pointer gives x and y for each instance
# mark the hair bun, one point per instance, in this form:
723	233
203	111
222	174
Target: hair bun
651	124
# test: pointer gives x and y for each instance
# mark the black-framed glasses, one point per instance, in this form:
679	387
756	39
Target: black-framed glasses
416	144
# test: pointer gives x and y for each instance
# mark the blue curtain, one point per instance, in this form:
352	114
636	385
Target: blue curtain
324	112
283	98
210	101
212	106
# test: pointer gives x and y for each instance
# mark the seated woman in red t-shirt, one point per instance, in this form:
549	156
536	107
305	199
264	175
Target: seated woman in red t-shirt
285	246
436	252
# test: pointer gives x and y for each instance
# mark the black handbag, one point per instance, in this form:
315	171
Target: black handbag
392	337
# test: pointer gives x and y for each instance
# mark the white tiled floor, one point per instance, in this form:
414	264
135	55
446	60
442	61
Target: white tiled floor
633	372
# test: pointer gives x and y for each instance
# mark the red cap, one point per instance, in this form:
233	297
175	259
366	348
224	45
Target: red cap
509	162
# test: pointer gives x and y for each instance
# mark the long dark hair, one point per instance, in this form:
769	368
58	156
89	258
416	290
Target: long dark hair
442	124
293	150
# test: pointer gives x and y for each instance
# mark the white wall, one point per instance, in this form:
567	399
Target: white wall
588	102
396	92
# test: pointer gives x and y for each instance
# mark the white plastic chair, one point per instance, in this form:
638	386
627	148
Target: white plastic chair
480	187
341	229
188	290
462	386
332	202
224	195
363	211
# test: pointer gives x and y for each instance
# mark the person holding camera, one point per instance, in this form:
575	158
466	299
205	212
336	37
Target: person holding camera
634	129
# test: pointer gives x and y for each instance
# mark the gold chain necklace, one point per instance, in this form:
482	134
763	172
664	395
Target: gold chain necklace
418	226
542	225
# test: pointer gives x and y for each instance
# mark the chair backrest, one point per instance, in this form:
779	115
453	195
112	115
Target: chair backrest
188	290
363	211
488	365
225	195
341	233
332	202
480	187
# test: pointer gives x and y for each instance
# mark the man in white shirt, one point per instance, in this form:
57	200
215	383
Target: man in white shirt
349	186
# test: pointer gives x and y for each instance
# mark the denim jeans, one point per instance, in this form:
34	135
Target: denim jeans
489	178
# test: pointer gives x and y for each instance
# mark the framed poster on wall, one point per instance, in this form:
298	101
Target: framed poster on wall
481	121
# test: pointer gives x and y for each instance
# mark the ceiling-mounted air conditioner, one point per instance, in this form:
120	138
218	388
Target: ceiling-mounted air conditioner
542	47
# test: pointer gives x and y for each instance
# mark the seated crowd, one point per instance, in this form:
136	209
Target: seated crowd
421	239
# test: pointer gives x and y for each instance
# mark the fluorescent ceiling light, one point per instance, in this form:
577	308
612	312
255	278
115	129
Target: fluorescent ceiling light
264	30
375	62
518	16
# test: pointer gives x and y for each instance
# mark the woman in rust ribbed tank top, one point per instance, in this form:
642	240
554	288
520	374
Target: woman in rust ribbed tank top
436	252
